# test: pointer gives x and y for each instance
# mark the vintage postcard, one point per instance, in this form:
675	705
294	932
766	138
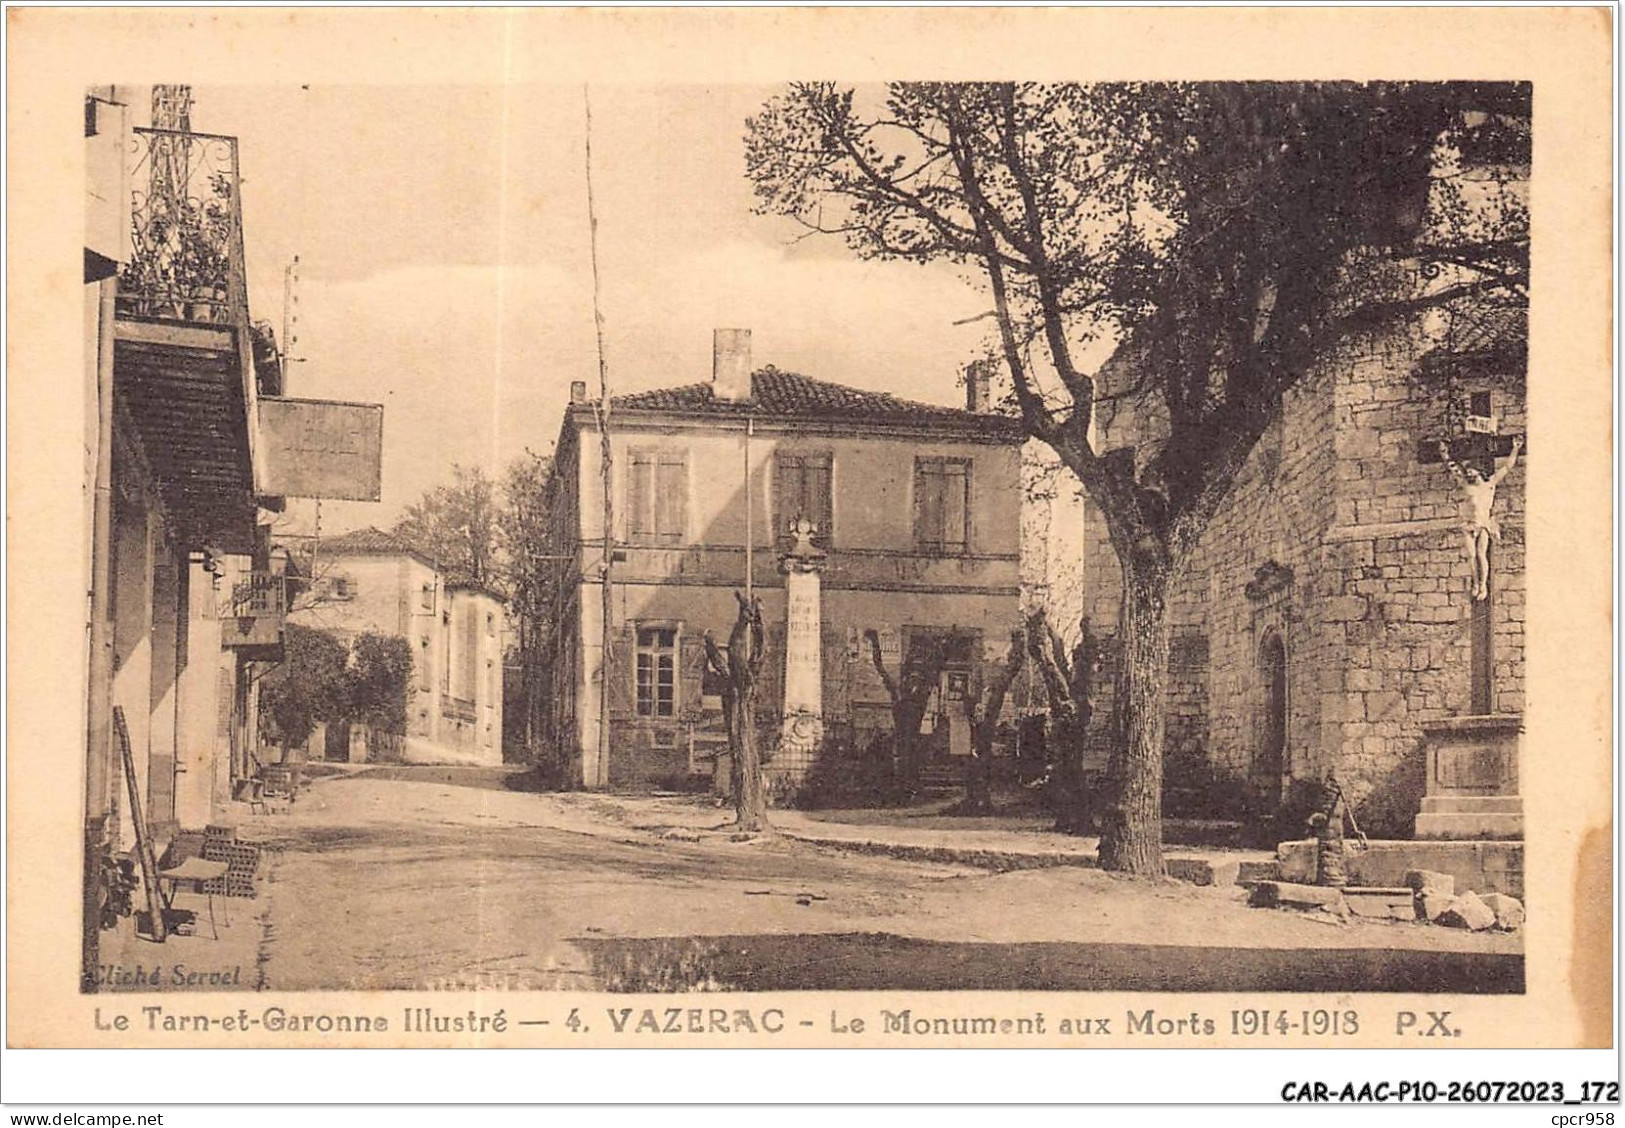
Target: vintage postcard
820	528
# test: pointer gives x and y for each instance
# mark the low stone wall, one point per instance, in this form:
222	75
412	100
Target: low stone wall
1483	867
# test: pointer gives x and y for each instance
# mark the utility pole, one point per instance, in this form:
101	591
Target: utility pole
607	463
286	359
750	532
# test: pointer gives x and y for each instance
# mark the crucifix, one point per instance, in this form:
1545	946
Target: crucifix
1478	480
1473	460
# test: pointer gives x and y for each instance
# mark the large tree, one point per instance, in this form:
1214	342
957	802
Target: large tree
527	575
1224	237
456	526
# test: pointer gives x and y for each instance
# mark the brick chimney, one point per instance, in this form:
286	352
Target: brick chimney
578	391
979	385
730	365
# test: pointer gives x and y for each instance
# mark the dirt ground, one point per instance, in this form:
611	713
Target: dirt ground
378	883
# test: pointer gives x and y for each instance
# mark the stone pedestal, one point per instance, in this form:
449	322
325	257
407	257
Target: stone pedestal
803	708
1472	778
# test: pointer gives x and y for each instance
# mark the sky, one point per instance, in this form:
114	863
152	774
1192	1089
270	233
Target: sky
445	268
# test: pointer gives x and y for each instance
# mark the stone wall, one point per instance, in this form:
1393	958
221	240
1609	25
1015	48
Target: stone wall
1403	606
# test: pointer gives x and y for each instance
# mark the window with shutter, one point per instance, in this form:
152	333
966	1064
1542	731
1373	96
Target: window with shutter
942	506
802	487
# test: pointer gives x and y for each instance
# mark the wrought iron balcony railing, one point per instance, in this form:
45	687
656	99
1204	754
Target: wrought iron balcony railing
186	255
262	593
255	613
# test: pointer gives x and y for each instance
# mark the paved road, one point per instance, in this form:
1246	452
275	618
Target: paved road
389	883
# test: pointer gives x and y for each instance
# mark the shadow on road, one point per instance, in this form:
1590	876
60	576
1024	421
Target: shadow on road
882	961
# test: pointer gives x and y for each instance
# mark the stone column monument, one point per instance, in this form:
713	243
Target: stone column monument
803	730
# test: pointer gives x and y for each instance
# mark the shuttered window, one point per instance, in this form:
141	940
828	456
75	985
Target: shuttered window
657	497
942	506
470	645
802	488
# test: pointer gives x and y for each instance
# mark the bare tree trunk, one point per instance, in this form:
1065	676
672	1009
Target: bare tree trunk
984	704
1131	834
750	794
740	668
1067	688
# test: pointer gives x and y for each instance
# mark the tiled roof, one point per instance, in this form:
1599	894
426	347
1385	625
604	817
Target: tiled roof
1483	334
789	395
1490	329
369	541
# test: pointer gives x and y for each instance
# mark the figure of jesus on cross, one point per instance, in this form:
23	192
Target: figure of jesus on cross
1479	525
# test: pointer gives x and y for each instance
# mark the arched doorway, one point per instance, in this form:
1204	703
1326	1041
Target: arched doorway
1269	761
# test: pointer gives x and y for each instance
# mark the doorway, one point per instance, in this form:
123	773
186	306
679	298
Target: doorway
1269	763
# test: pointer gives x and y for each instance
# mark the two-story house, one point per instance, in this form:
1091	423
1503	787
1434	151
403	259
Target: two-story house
373	581
917	507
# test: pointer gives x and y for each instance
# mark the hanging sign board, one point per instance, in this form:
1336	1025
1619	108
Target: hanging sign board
321	448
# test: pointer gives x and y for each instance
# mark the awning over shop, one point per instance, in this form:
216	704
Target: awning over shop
183	389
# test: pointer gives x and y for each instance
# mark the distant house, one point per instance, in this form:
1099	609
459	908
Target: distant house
370	580
916	505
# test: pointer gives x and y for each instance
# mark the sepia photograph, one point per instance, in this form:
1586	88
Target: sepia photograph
918	626
720	555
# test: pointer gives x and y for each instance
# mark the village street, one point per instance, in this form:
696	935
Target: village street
448	879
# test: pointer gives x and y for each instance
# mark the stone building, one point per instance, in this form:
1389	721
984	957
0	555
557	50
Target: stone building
915	536
372	581
1327	619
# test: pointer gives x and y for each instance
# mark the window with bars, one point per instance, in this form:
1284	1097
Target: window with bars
657	496
656	671
802	488
942	506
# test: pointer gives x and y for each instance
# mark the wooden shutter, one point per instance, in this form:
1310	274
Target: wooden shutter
471	651
955	507
671	497
770	684
640	523
621	673
928	503
836	671
820	507
786	494
690	670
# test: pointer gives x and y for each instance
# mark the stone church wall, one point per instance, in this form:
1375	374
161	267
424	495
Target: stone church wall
1342	540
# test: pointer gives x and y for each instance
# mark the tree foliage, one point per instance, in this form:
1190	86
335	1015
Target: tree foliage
378	681
309	687
457	526
527	575
324	680
1221	238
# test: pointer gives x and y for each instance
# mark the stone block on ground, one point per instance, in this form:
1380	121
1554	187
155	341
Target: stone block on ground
1468	911
1381	902
1431	881
1508	911
1250	873
1431	906
1203	871
1291	895
1297	860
